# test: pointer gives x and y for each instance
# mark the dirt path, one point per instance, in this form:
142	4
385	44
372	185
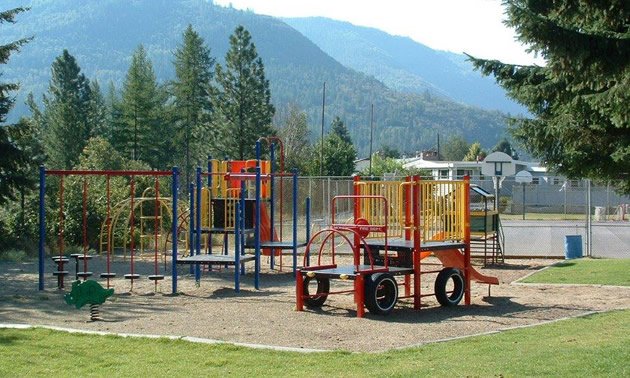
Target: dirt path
267	316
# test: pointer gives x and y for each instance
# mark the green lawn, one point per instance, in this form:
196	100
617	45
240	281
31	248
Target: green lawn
593	345
585	271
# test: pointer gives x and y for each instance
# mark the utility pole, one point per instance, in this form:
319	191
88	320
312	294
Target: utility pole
371	135
321	152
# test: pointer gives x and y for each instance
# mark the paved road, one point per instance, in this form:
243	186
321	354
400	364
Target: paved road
546	238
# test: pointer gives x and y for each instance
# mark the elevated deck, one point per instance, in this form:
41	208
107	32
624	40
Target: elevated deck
208	259
276	245
402	245
351	272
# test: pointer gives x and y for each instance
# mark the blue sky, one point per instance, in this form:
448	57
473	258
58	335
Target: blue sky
471	26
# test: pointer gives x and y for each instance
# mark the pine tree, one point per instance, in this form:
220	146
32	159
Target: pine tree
580	99
193	93
13	157
68	113
244	99
504	146
139	132
98	111
338	127
455	148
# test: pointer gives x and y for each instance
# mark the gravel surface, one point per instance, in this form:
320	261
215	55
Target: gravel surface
268	316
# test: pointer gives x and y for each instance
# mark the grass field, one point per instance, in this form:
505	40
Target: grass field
593	345
585	271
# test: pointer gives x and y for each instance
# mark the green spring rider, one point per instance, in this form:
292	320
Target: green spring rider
88	292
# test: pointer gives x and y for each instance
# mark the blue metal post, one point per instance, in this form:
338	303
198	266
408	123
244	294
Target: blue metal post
174	230
308	223
257	233
295	201
42	223
198	225
237	252
271	204
191	226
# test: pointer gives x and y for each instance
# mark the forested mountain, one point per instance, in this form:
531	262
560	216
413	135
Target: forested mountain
403	64
102	35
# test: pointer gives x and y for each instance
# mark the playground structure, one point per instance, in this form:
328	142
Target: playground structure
485	226
230	204
60	260
233	203
397	225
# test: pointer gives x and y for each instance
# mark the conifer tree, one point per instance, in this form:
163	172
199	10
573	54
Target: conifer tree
138	130
13	157
98	111
580	99
244	99
68	113
193	91
338	127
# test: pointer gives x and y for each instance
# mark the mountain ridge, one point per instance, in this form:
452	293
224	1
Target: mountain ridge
103	34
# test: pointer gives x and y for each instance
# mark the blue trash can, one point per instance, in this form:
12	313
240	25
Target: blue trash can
572	247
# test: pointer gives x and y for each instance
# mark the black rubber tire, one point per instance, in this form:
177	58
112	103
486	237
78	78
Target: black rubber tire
381	293
323	287
459	285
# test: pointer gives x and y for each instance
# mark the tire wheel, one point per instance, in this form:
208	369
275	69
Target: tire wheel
381	293
323	288
449	297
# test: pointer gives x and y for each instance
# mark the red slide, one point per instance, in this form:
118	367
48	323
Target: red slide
455	259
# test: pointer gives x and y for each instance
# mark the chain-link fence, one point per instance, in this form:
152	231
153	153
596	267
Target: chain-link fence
553	208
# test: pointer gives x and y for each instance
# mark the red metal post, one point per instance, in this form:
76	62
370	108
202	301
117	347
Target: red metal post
132	220
156	228
109	234
467	267
60	266
299	290
85	238
407	199
357	212
359	294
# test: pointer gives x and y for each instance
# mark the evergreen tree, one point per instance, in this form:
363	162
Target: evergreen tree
580	99
13	157
455	148
193	93
244	99
388	151
338	127
68	113
294	133
504	146
139	131
98	111
475	153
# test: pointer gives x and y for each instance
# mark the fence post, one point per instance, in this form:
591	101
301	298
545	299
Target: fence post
42	223
589	230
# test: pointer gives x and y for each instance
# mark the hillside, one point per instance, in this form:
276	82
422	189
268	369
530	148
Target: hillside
404	64
102	34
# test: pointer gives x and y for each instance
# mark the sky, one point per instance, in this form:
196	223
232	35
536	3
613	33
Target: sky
471	26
